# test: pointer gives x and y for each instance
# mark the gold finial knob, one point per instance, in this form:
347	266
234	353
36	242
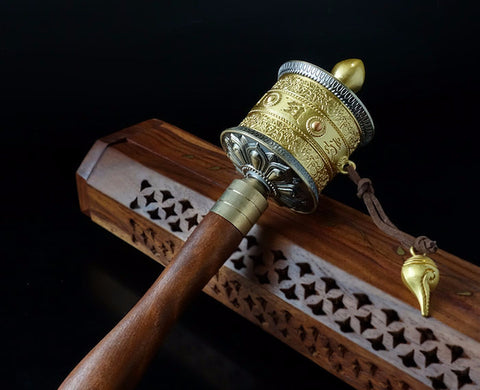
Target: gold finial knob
351	73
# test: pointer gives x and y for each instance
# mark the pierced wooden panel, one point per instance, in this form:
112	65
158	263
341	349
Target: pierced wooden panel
310	299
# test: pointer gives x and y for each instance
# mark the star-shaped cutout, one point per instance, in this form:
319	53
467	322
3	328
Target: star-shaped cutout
398	337
437	382
304	269
463	377
456	351
175	226
154	214
282	274
377	343
150	198
317	308
430	356
166	195
426	334
345	326
251	241
309	290
362	300
365	322
169	211
408	359
337	303
186	205
192	221
330	284
390	316
289	292
144	184
134	204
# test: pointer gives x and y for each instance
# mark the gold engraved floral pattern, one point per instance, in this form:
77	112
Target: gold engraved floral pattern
286	114
283	135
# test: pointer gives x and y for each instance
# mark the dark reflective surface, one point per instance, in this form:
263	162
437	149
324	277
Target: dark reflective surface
72	73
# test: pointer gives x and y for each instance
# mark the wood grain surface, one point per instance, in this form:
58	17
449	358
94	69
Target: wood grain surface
121	358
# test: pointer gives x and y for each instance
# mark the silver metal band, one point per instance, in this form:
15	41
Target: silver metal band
294	189
346	96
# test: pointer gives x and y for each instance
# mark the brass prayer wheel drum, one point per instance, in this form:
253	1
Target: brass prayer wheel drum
302	131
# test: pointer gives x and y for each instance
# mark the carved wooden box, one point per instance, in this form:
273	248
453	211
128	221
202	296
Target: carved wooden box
327	284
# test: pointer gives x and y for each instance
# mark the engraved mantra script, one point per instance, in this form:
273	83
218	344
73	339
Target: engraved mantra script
349	306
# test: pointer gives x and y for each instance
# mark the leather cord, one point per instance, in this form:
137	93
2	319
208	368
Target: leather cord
365	191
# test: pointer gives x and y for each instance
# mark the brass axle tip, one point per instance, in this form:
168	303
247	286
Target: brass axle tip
351	73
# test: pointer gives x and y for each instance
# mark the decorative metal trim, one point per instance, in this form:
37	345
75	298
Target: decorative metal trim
346	96
255	155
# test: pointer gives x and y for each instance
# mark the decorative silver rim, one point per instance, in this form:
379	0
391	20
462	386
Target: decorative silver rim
346	96
295	190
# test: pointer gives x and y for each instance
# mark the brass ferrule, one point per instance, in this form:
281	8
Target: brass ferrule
242	203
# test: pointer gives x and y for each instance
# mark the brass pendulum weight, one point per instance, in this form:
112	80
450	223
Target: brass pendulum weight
420	274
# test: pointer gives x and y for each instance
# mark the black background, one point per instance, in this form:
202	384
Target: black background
74	71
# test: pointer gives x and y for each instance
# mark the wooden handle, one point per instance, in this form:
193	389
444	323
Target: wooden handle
120	359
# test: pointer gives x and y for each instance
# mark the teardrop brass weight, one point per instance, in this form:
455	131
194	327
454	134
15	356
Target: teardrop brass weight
420	274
